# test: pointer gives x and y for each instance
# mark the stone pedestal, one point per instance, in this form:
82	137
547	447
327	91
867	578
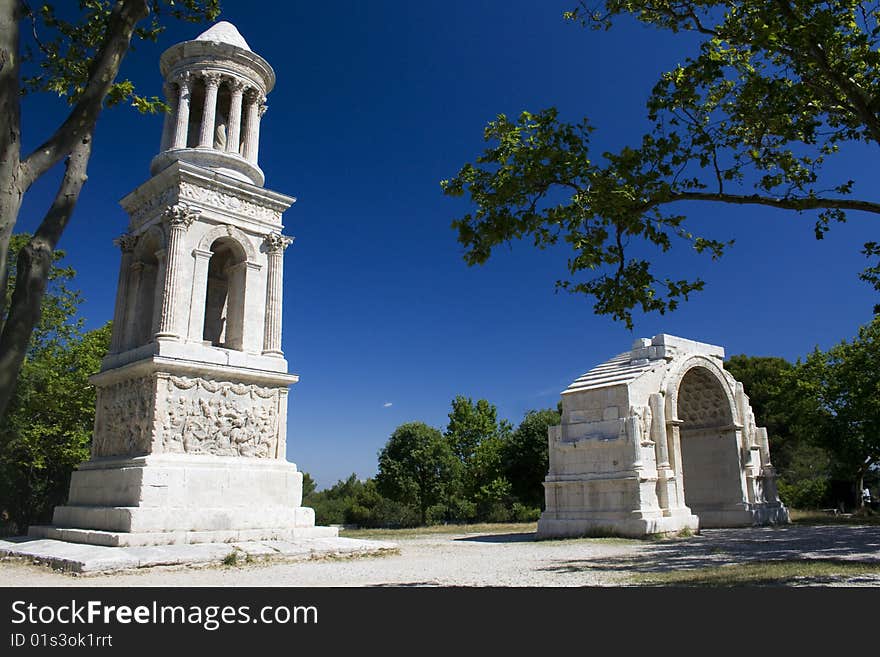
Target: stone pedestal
181	498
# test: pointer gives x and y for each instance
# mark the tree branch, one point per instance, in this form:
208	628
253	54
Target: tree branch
689	13
851	91
32	272
81	121
798	204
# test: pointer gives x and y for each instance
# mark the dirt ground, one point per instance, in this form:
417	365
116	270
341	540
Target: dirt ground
510	558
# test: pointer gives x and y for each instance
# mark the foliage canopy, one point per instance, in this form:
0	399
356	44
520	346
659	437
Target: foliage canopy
776	88
48	427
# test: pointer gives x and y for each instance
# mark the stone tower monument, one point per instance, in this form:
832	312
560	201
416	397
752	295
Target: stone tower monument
189	439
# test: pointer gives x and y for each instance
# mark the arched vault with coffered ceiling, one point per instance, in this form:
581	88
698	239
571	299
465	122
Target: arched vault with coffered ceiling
657	440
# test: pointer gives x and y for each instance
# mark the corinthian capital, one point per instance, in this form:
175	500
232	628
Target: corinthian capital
180	215
276	242
126	242
254	95
184	79
212	78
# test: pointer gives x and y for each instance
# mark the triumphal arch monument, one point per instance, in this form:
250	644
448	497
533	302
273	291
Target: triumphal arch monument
189	444
658	440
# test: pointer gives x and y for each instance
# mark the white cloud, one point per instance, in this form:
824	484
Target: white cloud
387	405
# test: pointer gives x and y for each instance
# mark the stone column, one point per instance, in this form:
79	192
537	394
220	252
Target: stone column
126	243
634	429
158	291
764	444
673	429
275	245
742	409
748	437
768	472
255	109
181	128
135	273
739	398
747	474
254	307
236	318
179	218
281	421
209	113
666	494
199	292
658	429
170	117
233	134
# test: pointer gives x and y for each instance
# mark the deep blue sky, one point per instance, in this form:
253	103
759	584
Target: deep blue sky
376	103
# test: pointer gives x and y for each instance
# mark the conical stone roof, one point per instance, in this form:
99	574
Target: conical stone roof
224	32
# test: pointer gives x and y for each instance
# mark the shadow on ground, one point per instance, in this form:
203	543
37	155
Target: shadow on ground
718	547
523	537
404	585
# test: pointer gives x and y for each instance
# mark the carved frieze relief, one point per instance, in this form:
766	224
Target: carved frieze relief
124	421
228	202
151	205
201	416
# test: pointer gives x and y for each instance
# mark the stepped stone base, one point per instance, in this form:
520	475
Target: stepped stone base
616	524
140	539
176	499
637	524
97	559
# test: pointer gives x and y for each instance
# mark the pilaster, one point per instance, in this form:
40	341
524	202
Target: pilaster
179	218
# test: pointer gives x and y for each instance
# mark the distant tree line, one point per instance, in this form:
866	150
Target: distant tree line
480	469
822	415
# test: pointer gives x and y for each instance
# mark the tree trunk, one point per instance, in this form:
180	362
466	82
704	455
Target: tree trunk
72	138
32	273
860	485
10	133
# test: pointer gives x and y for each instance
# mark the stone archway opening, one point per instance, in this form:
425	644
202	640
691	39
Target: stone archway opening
144	281
224	298
196	112
710	462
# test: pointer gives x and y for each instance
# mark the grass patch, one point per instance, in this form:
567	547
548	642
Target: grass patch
354	556
761	573
817	517
603	538
599	535
602	533
484	528
433	530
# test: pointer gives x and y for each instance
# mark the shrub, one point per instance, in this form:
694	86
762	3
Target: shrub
805	494
523	513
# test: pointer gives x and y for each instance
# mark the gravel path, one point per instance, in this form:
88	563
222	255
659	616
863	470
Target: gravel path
469	559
